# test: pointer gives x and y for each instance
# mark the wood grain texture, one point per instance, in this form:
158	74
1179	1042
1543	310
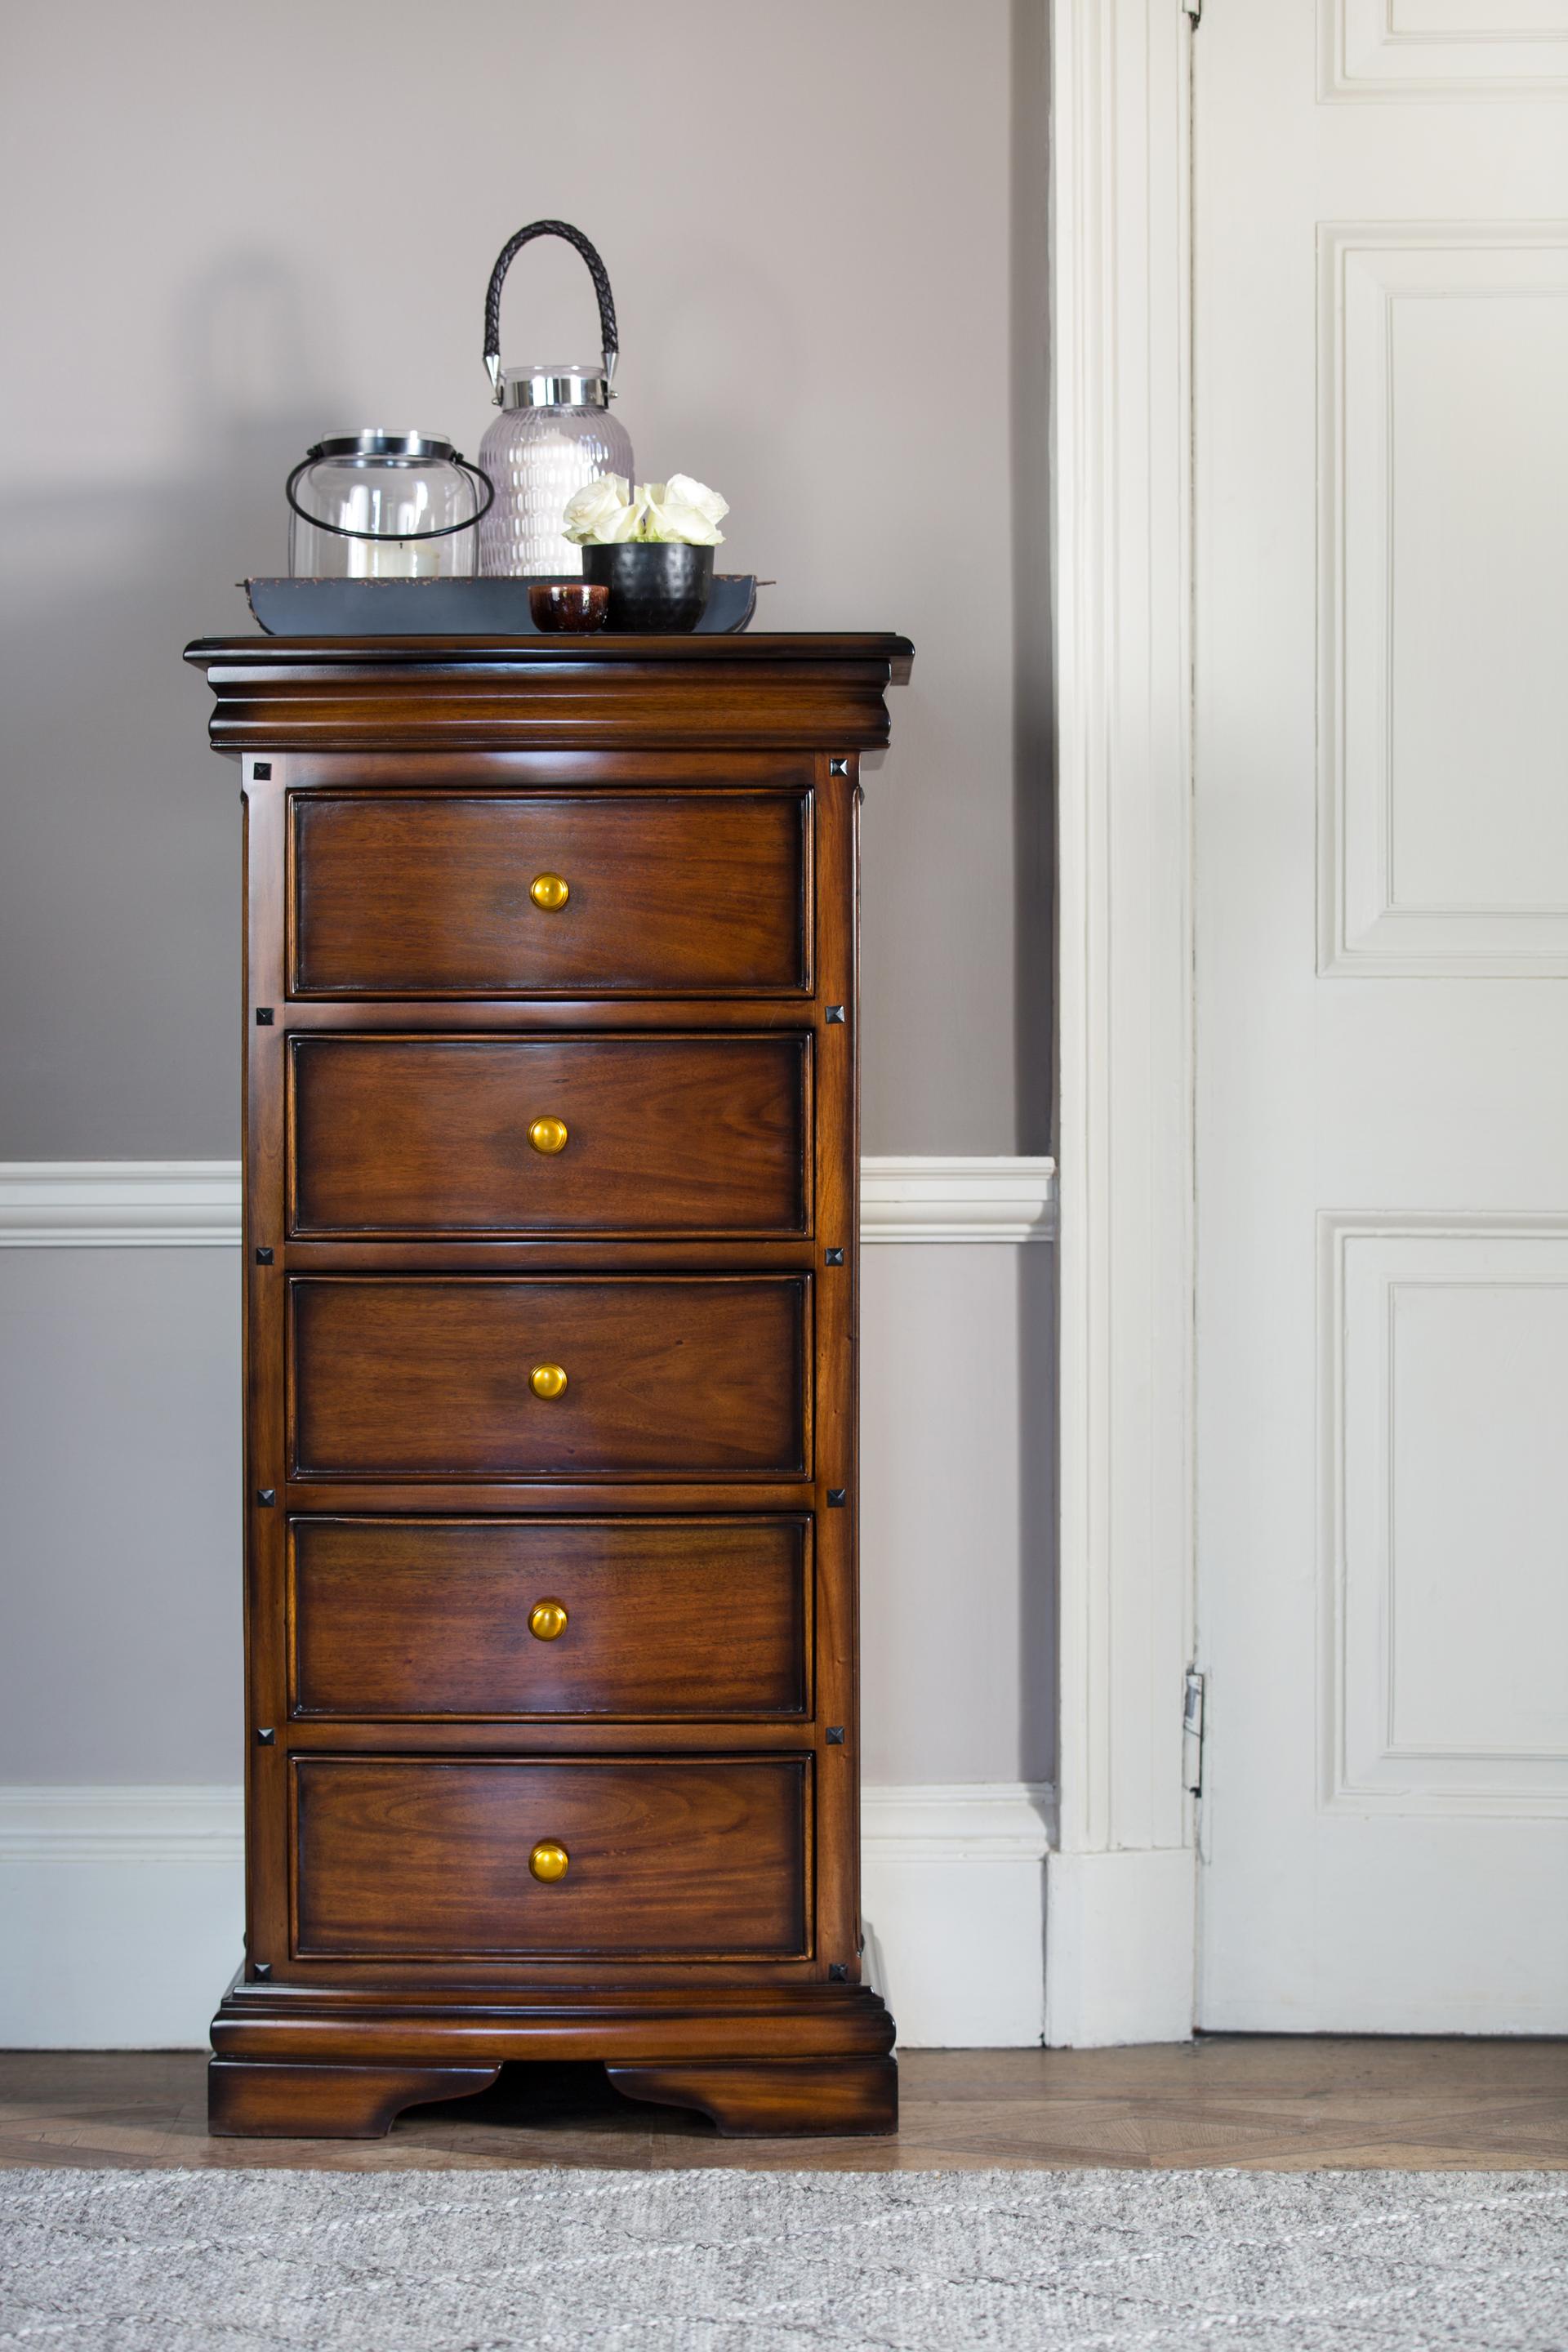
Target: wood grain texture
1255	2103
374	2015
410	1263
698	1375
251	2099
766	2099
674	1135
417	895
665	1618
757	690
429	1857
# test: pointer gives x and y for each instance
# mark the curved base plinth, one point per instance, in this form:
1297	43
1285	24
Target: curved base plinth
311	2061
257	2098
776	2097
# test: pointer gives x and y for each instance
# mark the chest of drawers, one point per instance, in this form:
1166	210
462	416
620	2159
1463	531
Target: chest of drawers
551	1278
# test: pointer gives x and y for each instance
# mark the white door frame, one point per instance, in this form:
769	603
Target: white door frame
1121	1884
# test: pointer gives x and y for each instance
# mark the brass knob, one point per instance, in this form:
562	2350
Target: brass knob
547	1379
549	891
547	1619
548	1135
548	1861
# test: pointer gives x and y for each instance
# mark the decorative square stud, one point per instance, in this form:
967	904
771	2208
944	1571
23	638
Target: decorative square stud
264	1257
266	1496
836	1498
264	1016
838	767
833	1015
262	771
833	1257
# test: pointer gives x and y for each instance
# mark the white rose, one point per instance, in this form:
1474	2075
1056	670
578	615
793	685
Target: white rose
624	523
670	517
682	491
594	510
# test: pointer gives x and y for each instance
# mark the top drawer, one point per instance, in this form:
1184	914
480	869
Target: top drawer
668	894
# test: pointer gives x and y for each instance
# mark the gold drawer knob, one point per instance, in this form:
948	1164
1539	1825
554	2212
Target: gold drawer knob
549	891
547	1619
548	1135
547	1381
548	1861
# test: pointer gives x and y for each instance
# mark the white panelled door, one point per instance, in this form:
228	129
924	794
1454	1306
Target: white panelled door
1381	469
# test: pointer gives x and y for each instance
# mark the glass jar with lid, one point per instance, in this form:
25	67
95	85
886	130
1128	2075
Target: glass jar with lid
555	433
378	505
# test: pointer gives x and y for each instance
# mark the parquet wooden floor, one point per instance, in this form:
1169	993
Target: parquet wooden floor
1263	2103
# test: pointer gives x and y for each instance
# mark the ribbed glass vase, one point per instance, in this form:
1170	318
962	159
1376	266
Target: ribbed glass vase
538	457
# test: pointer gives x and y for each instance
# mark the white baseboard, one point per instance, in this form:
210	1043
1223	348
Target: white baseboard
191	1203
122	1913
952	1891
1119	1957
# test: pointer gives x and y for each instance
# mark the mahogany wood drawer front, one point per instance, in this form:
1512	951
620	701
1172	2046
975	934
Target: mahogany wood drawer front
627	1618
443	1858
644	1134
414	894
565	1376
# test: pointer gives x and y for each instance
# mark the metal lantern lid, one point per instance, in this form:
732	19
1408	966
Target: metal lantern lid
374	441
372	447
556	385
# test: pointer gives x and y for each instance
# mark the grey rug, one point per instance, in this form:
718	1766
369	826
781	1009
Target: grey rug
459	2262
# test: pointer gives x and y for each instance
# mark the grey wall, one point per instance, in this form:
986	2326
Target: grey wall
233	226
121	1587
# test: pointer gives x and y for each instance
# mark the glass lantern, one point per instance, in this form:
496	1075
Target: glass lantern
555	433
376	505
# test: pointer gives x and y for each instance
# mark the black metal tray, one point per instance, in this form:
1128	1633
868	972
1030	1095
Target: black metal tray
445	608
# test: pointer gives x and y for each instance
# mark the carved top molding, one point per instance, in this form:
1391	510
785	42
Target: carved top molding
756	692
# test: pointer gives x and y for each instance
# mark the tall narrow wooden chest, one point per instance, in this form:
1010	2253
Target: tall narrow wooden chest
550	1280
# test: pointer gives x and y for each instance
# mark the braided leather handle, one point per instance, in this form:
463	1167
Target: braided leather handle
597	271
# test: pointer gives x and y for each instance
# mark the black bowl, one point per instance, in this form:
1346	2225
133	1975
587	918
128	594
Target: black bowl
654	585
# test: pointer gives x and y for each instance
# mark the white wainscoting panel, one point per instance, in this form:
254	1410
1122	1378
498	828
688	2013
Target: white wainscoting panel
1445	1495
93	1879
1444	599
1442	49
182	1203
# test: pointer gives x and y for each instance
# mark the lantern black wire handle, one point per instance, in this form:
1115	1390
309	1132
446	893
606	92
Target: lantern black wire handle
597	271
387	538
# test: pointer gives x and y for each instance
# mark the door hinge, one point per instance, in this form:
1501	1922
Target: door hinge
1194	12
1193	1734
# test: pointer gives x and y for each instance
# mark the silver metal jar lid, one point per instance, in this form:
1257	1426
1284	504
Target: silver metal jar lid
375	441
568	387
